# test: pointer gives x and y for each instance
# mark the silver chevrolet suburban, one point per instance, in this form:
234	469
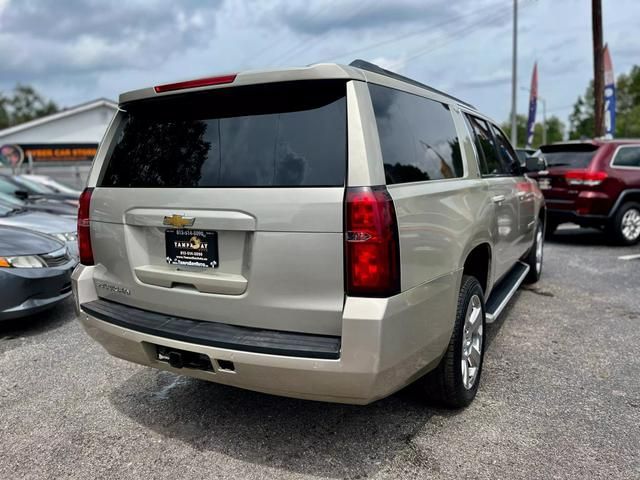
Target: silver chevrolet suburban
330	232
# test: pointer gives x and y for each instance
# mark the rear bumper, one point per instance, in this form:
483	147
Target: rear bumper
385	345
26	291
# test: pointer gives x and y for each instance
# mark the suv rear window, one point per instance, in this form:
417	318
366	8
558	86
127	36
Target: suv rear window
577	155
290	134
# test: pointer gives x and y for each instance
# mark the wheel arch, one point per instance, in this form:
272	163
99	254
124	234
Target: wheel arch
630	195
477	263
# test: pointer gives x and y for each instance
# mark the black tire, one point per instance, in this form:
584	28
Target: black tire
535	269
617	226
445	383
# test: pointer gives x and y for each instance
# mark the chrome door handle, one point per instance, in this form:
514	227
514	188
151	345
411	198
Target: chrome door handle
498	198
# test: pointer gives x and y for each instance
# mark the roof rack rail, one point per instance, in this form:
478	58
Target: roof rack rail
372	67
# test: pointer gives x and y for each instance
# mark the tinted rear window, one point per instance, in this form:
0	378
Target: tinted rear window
291	134
574	156
417	136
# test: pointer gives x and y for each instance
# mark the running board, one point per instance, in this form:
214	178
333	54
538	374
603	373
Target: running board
504	290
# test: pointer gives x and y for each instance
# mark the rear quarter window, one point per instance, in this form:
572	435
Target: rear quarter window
418	138
627	157
291	134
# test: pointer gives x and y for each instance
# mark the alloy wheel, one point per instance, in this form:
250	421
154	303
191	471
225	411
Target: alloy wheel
539	249
472	336
630	224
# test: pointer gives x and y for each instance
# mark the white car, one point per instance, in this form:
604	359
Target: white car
51	183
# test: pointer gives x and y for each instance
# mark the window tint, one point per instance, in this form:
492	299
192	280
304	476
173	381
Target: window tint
507	154
574	155
627	157
490	163
417	137
282	134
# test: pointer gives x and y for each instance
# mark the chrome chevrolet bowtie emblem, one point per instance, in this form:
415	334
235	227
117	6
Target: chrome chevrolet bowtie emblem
178	221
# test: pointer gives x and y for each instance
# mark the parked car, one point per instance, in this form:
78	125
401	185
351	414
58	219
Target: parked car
55	185
330	233
41	205
35	272
63	229
594	184
524	153
26	189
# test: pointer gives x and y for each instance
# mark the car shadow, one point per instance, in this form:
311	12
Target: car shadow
38	323
323	439
580	236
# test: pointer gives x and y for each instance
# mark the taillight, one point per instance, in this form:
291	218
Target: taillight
84	233
372	252
585	177
198	82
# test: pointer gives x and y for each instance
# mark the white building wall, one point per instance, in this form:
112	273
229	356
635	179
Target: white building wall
83	127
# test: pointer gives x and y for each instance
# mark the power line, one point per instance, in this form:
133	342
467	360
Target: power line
468	29
298	48
411	34
269	46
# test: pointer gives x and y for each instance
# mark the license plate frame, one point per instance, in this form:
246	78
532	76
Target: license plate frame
191	248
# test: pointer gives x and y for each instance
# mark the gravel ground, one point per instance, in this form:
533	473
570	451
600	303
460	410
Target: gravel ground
559	398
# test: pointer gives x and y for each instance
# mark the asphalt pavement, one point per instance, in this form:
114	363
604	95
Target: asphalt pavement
560	398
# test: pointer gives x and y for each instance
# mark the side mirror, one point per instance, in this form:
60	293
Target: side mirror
21	194
535	164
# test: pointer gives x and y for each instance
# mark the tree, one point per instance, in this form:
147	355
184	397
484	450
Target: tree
22	105
581	120
555	130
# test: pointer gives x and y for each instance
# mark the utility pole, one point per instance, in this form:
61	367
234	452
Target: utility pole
598	68
514	76
544	119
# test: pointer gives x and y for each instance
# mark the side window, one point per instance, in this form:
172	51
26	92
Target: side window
417	136
507	154
490	163
627	157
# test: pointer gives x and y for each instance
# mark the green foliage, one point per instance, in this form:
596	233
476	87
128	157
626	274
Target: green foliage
555	130
22	105
581	120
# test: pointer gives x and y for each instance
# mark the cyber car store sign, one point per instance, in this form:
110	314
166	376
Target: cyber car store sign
60	153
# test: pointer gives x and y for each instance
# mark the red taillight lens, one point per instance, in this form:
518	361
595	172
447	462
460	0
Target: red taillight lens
199	82
585	177
372	249
84	233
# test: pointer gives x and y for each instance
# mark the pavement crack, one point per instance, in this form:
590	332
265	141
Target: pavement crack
537	291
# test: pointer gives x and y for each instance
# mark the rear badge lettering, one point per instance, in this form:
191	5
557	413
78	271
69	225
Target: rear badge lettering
113	288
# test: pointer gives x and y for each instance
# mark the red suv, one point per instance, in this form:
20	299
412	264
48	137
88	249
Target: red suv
594	184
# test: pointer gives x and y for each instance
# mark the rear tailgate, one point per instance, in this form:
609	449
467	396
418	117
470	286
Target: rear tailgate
563	158
249	180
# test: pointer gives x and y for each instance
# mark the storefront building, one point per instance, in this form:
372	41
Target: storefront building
61	145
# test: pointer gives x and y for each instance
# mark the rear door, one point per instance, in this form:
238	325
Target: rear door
226	205
524	193
503	192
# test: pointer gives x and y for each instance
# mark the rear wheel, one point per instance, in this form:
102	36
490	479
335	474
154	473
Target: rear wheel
535	256
626	224
454	382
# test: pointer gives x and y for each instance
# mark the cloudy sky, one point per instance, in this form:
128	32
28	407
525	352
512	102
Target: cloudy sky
77	50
